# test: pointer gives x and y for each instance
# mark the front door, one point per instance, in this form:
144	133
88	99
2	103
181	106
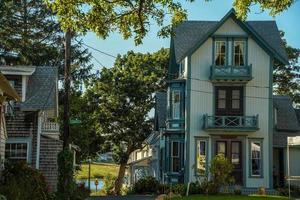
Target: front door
232	150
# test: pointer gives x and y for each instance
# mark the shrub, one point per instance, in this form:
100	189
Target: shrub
195	188
109	181
261	191
21	182
179	189
163	188
80	193
220	170
146	185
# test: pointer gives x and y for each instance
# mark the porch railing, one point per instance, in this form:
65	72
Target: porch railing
50	127
231	72
175	124
238	123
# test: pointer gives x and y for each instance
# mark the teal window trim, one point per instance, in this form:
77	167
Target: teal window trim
245	40
27	140
169	157
174	87
260	141
198	140
232	39
221	39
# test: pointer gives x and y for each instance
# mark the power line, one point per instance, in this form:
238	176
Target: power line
107	54
98	61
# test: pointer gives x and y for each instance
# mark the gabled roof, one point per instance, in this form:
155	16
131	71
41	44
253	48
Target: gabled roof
41	90
286	115
190	35
287	121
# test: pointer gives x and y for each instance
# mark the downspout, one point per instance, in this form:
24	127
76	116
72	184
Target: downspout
38	147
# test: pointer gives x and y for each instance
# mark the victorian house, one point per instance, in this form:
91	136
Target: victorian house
220	101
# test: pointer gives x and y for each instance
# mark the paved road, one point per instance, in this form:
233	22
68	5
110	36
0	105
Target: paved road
128	197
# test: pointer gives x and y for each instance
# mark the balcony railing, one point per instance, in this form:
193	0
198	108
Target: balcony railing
50	127
231	123
175	124
236	73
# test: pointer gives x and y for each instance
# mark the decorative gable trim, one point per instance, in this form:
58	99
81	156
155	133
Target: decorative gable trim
246	28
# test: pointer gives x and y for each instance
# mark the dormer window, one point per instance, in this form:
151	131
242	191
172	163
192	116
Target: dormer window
239	53
220	53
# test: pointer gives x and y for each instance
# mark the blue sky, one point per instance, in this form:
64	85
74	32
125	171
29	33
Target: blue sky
199	10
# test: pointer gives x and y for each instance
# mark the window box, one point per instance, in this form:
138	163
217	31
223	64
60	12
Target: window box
231	73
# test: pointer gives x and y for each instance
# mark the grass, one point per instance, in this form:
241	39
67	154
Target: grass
98	170
230	197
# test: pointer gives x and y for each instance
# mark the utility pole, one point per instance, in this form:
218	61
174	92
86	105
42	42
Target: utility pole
66	117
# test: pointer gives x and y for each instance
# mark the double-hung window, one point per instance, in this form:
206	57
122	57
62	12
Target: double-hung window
176	104
239	53
16	151
220	53
175	156
201	157
256	158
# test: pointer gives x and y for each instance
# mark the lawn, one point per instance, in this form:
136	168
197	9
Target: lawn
230	197
98	170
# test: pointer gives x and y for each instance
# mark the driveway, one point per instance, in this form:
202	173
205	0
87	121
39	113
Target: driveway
128	197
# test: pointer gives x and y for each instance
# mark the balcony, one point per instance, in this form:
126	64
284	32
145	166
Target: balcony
50	129
231	123
231	73
175	125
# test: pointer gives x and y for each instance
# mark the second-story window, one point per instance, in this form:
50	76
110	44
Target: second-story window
176	104
239	53
229	101
220	53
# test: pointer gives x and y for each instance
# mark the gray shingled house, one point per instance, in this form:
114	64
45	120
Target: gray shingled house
32	130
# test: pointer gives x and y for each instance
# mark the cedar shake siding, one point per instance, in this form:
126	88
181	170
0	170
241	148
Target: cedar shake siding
48	162
34	114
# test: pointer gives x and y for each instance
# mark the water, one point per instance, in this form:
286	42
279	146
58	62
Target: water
93	186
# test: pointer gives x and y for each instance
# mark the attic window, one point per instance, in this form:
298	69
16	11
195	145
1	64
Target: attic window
220	53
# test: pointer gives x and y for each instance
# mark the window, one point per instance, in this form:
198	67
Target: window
239	53
176	104
256	158
181	68
201	157
175	156
221	148
220	53
16	151
229	101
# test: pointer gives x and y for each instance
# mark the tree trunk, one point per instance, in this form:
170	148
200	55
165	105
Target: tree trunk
66	120
119	180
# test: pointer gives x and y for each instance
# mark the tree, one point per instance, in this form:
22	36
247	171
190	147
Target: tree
38	39
123	97
133	18
284	77
275	7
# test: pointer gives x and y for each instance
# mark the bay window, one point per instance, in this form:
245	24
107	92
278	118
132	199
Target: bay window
175	156
176	104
